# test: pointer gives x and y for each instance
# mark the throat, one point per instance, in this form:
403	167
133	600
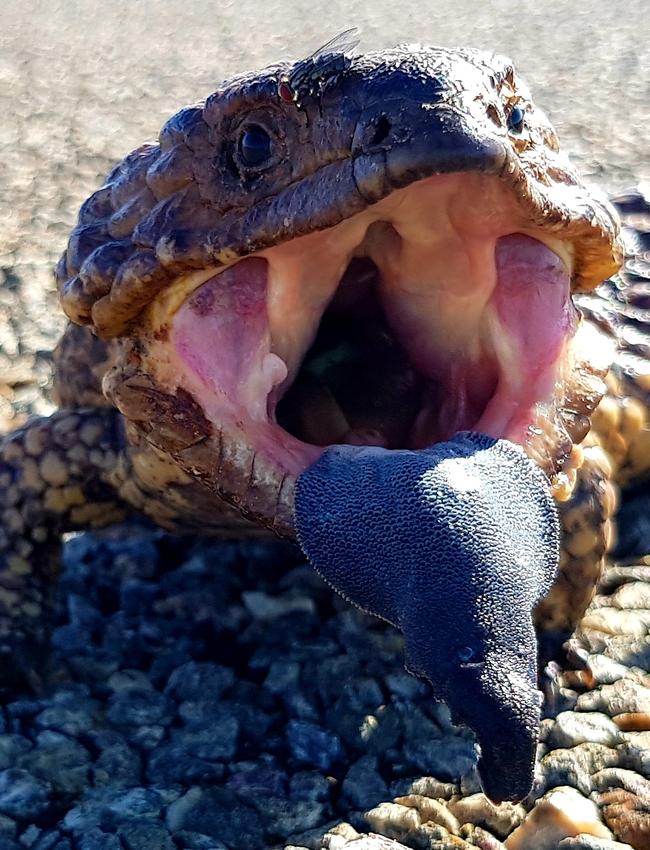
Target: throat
356	385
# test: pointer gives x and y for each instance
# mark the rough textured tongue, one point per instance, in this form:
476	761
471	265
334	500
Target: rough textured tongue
455	545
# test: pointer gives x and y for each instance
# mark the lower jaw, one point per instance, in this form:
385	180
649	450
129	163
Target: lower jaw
248	473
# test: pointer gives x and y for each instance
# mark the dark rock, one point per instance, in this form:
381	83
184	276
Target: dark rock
137	596
363	786
107	809
126	680
118	764
448	757
252	721
282	677
202	681
139	707
403	685
357	700
281	817
170	764
257	779
8	827
381	731
217	812
51	839
313	745
22	796
195	841
135	803
95	839
69	712
309	785
23	708
145	737
209	742
11	748
92	668
60	761
145	836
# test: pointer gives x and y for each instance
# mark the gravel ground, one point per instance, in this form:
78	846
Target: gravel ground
205	696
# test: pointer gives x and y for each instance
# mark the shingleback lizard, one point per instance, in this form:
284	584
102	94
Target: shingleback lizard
380	250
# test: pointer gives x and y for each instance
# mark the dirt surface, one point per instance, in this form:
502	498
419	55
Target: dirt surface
83	82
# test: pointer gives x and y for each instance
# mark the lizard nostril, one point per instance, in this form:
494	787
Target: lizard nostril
382	129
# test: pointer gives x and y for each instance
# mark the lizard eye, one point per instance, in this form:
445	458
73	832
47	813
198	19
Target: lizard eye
254	145
516	119
464	653
469	653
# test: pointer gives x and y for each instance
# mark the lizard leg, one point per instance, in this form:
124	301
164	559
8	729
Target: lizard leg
54	477
586	538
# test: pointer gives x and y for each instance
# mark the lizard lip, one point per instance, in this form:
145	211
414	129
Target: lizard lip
426	314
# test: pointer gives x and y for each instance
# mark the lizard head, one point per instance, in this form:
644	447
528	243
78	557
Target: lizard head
377	249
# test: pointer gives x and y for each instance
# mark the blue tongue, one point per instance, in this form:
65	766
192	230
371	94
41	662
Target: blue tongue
371	521
454	545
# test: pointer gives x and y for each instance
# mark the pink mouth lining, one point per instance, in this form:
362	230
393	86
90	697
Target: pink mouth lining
227	353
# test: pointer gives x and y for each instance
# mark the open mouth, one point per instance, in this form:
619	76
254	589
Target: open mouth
434	311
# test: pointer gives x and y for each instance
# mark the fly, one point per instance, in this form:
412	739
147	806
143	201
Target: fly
312	76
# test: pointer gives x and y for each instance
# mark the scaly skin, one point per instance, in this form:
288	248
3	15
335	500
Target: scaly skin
173	215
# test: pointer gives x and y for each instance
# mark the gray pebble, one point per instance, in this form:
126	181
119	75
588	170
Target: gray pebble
635	752
577	727
575	766
145	737
624	695
429	786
